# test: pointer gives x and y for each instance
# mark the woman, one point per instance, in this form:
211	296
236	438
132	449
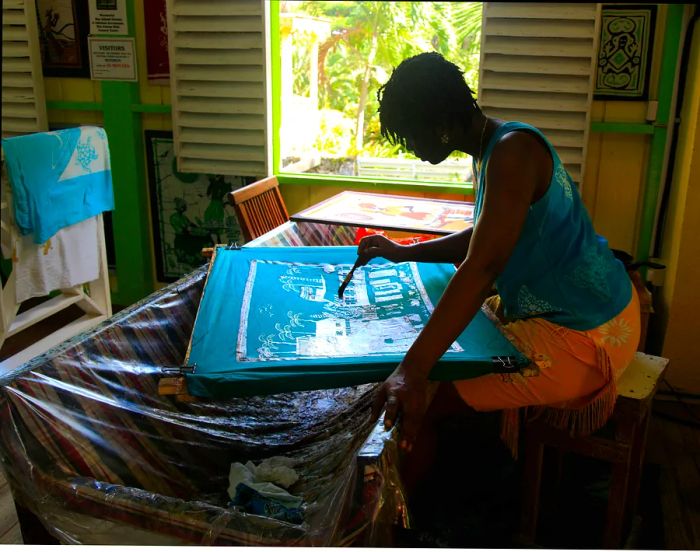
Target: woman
565	301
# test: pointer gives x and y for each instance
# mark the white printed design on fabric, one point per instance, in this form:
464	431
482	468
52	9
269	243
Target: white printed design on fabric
91	148
529	304
86	154
591	273
616	332
562	177
382	312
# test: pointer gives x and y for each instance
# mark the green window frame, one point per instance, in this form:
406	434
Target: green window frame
355	182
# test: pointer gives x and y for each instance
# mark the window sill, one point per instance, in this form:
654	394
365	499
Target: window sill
355	182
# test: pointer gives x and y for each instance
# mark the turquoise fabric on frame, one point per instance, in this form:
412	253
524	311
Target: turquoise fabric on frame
270	321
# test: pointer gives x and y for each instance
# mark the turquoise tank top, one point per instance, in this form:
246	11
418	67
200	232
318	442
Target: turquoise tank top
560	270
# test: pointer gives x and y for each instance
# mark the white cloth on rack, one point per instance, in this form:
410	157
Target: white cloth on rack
69	258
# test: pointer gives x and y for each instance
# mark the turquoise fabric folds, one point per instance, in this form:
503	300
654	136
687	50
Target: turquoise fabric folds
270	321
58	178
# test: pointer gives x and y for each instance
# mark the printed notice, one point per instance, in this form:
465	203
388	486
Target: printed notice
112	59
108	17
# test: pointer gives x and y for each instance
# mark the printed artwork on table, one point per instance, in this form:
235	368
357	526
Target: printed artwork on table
382	311
392	212
188	211
625	51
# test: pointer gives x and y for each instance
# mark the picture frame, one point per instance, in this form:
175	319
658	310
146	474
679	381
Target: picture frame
625	51
188	211
63	27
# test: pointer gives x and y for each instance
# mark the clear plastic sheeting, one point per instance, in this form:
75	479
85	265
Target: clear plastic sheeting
92	449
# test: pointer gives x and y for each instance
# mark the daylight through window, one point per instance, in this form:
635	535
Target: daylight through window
334	57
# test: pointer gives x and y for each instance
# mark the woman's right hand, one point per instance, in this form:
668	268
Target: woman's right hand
381	246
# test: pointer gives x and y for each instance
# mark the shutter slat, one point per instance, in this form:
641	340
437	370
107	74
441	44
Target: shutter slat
216	8
538	83
23	103
19	80
17	95
226	73
18	125
222	152
14	33
224	167
219	89
542	28
17	65
243	24
12	17
537	63
542	119
533	100
217	120
14	49
545	47
222	136
226	105
19	109
219	40
223	56
530	10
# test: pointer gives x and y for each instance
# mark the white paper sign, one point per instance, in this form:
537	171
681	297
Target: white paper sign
112	59
108	17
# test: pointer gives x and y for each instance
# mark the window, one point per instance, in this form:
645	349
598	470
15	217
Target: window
264	87
333	58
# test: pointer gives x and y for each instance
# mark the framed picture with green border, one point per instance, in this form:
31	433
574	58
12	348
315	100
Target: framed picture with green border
625	51
188	211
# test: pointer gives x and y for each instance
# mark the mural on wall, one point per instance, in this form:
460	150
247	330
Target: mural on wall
625	51
188	211
157	61
63	30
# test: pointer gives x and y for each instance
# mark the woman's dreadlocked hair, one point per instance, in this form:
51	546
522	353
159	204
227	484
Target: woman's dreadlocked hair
424	92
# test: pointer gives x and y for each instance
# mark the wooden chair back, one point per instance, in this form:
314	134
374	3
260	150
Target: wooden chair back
259	207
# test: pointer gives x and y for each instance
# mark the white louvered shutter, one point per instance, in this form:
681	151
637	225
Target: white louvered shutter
537	66
23	102
218	82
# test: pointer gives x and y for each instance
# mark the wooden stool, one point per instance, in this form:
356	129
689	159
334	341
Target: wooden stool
622	442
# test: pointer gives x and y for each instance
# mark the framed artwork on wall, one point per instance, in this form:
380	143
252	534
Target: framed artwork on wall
188	211
625	51
157	60
63	30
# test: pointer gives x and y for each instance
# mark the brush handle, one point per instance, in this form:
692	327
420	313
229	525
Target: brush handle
347	279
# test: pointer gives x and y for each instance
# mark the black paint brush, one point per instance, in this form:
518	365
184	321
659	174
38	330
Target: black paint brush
347	279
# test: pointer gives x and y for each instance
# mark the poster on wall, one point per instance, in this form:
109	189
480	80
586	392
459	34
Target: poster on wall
63	31
188	211
157	61
112	59
625	51
108	17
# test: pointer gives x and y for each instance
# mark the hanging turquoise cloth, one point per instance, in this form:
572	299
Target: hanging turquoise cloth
270	321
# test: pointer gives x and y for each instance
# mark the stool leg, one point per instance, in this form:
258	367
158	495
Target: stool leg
617	499
532	478
637	454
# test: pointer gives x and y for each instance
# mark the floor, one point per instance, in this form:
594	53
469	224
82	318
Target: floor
9	527
471	498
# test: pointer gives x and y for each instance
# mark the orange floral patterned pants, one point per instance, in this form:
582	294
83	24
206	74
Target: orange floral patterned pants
570	368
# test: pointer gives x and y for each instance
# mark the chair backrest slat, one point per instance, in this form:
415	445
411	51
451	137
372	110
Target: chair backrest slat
259	207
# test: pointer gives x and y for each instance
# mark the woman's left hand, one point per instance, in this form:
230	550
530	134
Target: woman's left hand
405	395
